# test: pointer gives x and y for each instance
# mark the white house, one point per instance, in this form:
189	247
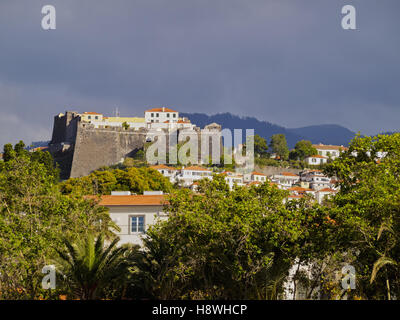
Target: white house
166	171
233	178
160	115
134	213
298	191
316	179
191	174
255	176
329	151
286	179
316	159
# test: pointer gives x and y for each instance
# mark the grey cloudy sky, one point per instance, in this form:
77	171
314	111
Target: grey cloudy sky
288	62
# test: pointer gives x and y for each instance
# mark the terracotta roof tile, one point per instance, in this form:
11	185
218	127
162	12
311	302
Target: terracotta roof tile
162	166
289	174
161	110
327	190
258	173
196	168
132	200
318	156
328	147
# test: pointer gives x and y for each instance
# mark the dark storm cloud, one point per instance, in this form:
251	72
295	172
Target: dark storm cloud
287	62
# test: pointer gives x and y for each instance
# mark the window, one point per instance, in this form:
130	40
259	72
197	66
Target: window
167	115
152	115
157	115
137	224
89	117
96	117
314	160
174	115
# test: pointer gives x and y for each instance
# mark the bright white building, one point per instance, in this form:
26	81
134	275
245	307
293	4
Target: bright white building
134	213
191	174
329	151
316	160
169	172
160	115
286	179
255	176
233	179
316	179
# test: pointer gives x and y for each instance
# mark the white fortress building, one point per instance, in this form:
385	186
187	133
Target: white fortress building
156	119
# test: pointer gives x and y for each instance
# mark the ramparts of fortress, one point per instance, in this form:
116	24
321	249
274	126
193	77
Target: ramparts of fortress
79	147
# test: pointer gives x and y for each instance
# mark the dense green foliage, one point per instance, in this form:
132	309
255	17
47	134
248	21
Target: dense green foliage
279	146
34	215
230	245
92	270
367	208
104	181
260	147
216	244
302	150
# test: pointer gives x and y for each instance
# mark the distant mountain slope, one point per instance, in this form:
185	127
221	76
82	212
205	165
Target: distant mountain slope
327	134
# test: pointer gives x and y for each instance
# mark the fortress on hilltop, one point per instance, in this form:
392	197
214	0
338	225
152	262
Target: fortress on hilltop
83	142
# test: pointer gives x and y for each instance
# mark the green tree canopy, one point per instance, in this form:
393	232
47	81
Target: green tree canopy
302	150
131	179
279	146
260	146
230	245
34	216
367	209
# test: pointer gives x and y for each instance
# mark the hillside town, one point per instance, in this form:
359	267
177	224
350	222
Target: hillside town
139	197
309	182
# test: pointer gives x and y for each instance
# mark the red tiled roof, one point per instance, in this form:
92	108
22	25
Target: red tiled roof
327	190
299	189
289	174
318	156
258	173
226	172
162	166
196	168
328	147
253	183
132	200
92	113
296	197
161	110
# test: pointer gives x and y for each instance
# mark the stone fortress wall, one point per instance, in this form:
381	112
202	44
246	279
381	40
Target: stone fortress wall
97	147
79	147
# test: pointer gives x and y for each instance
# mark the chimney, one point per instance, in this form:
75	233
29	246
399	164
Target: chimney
163	109
152	193
120	193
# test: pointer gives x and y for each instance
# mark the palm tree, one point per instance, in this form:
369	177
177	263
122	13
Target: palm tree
89	267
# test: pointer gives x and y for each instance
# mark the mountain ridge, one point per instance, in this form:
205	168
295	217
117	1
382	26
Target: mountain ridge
325	133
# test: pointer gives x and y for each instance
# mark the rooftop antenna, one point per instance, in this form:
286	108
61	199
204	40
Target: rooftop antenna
116	112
